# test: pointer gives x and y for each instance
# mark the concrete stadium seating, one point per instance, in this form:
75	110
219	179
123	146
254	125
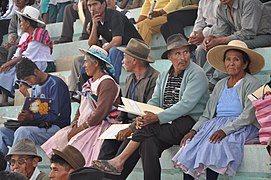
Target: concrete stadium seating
256	163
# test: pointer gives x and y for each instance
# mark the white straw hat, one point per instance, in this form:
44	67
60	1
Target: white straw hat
216	56
31	13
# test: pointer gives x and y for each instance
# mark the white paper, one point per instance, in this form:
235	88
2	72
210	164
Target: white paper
113	130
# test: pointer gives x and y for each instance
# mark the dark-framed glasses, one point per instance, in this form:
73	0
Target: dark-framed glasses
20	161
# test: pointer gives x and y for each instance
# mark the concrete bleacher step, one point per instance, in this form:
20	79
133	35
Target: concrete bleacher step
55	30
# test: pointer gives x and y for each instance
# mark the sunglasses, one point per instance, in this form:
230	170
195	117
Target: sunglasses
20	161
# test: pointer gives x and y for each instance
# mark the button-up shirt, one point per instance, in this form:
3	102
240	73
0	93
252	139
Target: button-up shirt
249	19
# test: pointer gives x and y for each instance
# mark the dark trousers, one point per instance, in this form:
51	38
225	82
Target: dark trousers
176	21
69	17
4	23
112	148
157	139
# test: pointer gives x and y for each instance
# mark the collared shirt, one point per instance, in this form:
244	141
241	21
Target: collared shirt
116	24
172	89
249	19
35	174
133	89
206	16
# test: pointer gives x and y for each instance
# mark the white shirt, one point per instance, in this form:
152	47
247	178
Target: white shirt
35	174
206	16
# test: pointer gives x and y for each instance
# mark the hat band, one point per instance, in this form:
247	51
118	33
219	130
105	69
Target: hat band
136	53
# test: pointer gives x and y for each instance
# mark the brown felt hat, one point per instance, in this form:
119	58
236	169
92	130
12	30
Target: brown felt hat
177	41
72	156
137	49
23	147
216	56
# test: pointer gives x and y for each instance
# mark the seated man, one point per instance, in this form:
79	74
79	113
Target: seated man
246	20
112	26
23	158
65	162
43	86
150	20
139	87
183	92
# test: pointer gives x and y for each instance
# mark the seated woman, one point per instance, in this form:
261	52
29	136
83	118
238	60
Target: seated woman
35	44
215	144
96	111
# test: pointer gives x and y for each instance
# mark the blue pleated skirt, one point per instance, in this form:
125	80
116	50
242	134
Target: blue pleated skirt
224	157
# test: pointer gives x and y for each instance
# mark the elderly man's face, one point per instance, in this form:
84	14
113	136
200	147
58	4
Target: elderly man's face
23	164
128	62
180	58
59	172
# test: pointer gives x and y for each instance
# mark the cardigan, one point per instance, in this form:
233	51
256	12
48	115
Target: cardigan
193	95
248	85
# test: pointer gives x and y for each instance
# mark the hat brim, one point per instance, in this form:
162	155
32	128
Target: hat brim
192	47
149	59
87	53
73	164
8	157
215	58
37	20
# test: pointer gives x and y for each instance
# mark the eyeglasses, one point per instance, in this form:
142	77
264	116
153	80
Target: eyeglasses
20	161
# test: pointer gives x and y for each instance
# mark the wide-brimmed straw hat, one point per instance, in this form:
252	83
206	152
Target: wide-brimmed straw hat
30	13
23	147
72	156
177	41
99	53
137	49
216	56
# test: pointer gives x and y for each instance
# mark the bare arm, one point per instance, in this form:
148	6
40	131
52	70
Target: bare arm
116	41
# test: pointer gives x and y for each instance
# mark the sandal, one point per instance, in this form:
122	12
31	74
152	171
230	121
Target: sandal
106	167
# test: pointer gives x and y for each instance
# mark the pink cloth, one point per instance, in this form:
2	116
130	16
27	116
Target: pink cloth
86	141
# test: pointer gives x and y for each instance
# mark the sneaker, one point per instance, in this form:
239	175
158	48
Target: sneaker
62	40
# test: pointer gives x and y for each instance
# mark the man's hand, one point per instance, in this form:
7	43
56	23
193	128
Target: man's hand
23	89
148	118
197	38
217	136
155	14
25	115
6	67
95	18
123	134
188	136
209	42
75	130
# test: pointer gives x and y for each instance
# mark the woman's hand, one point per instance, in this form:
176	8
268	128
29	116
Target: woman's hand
188	136
75	130
217	136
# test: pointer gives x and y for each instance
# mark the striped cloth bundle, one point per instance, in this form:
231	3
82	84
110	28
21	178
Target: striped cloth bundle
263	115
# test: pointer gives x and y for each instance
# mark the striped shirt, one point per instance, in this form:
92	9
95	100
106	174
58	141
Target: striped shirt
172	89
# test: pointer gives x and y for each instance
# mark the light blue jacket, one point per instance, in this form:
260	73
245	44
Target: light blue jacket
247	117
192	98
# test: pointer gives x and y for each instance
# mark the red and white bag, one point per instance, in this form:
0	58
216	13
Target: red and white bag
263	115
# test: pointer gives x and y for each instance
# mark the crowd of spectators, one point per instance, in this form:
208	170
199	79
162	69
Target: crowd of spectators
203	93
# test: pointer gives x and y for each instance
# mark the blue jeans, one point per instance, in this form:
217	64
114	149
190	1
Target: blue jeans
56	12
8	137
116	57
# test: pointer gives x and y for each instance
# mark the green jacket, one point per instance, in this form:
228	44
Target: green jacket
192	98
